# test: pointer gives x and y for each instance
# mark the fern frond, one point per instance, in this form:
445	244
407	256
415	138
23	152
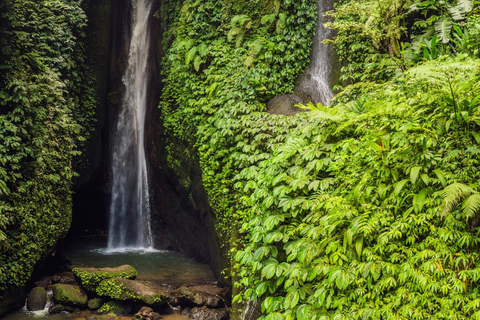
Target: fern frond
443	27
453	194
471	206
465	5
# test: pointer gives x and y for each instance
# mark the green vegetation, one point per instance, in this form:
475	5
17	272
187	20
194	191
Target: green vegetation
90	278
365	209
46	108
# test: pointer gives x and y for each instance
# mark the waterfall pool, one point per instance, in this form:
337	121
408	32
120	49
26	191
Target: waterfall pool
164	267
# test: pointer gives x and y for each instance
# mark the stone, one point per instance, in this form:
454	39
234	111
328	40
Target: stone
119	308
186	312
44	282
285	105
133	290
58	308
94	303
146	313
56	279
206	295
205	313
69	295
37	299
90	278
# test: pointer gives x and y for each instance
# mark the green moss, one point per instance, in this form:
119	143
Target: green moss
116	289
90	278
115	307
69	295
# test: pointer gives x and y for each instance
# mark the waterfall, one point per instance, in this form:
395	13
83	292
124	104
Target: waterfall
129	220
320	75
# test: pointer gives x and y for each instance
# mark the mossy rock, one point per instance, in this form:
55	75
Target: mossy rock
95	303
118	308
90	278
130	290
69	295
205	295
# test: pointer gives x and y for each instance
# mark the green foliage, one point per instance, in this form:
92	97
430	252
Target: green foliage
357	211
42	88
116	289
91	278
394	35
227	58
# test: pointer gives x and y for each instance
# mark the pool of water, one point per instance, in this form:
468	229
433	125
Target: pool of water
165	267
24	314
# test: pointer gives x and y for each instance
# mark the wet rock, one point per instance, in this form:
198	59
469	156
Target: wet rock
44	282
284	105
205	313
118	308
103	317
37	299
146	313
94	303
130	290
69	295
186	312
58	308
206	295
56	279
90	278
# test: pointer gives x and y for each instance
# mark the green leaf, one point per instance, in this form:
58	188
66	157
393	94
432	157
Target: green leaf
419	201
414	174
399	186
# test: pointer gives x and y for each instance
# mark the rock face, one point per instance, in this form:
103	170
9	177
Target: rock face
207	295
128	290
37	299
284	105
90	278
69	295
205	313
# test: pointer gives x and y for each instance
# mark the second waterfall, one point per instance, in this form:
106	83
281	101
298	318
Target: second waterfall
129	218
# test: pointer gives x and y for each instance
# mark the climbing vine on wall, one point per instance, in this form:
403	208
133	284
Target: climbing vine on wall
46	106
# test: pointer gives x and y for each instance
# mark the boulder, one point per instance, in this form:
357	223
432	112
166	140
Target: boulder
56	279
285	105
206	295
103	317
205	313
186	312
58	308
131	290
37	299
90	278
118	308
44	282
69	295
147	313
94	303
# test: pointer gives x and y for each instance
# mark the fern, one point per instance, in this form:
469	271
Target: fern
443	27
453	194
471	205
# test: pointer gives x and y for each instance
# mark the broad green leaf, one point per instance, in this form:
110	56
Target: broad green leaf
414	174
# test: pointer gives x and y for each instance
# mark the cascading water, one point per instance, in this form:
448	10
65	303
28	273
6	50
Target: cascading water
320	75
129	224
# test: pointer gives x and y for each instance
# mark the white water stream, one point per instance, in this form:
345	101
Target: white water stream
319	76
129	219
